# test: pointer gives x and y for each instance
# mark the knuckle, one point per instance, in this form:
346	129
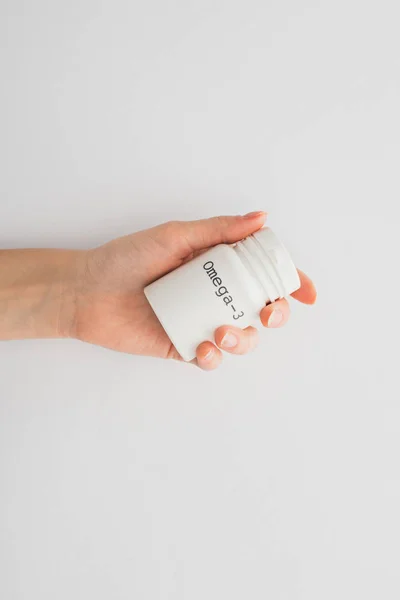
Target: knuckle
221	221
171	227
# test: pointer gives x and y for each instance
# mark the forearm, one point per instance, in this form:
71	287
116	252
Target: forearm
37	293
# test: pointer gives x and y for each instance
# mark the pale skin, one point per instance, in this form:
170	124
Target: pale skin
97	295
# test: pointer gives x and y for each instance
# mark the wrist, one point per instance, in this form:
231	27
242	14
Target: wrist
39	292
71	283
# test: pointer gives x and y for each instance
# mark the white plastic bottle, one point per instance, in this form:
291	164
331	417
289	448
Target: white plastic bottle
228	284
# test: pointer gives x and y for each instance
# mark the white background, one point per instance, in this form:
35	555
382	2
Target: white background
277	476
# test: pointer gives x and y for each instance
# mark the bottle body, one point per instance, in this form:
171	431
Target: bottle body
211	290
223	286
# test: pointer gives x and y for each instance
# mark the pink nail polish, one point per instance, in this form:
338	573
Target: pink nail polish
275	319
255	214
229	340
208	355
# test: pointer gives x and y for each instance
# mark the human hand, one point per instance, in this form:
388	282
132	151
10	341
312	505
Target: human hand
111	309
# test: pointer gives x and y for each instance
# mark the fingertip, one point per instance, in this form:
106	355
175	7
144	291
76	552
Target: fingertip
307	294
209	357
235	340
276	314
256	215
313	296
226	338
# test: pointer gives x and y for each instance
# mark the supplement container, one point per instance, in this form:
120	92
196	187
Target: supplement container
227	285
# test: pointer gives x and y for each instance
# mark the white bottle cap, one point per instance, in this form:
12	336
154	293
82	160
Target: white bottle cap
271	263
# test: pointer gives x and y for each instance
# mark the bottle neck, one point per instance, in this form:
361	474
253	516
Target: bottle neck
269	264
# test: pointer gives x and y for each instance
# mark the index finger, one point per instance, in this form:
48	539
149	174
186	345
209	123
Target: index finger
307	294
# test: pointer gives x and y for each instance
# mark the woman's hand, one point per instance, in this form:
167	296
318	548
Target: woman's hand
110	308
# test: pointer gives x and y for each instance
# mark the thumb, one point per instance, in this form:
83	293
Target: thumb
197	235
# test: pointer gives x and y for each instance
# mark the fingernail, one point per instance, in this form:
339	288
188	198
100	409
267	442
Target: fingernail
275	318
229	340
208	355
255	214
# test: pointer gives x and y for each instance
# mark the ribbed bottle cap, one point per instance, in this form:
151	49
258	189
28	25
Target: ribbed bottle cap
277	262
